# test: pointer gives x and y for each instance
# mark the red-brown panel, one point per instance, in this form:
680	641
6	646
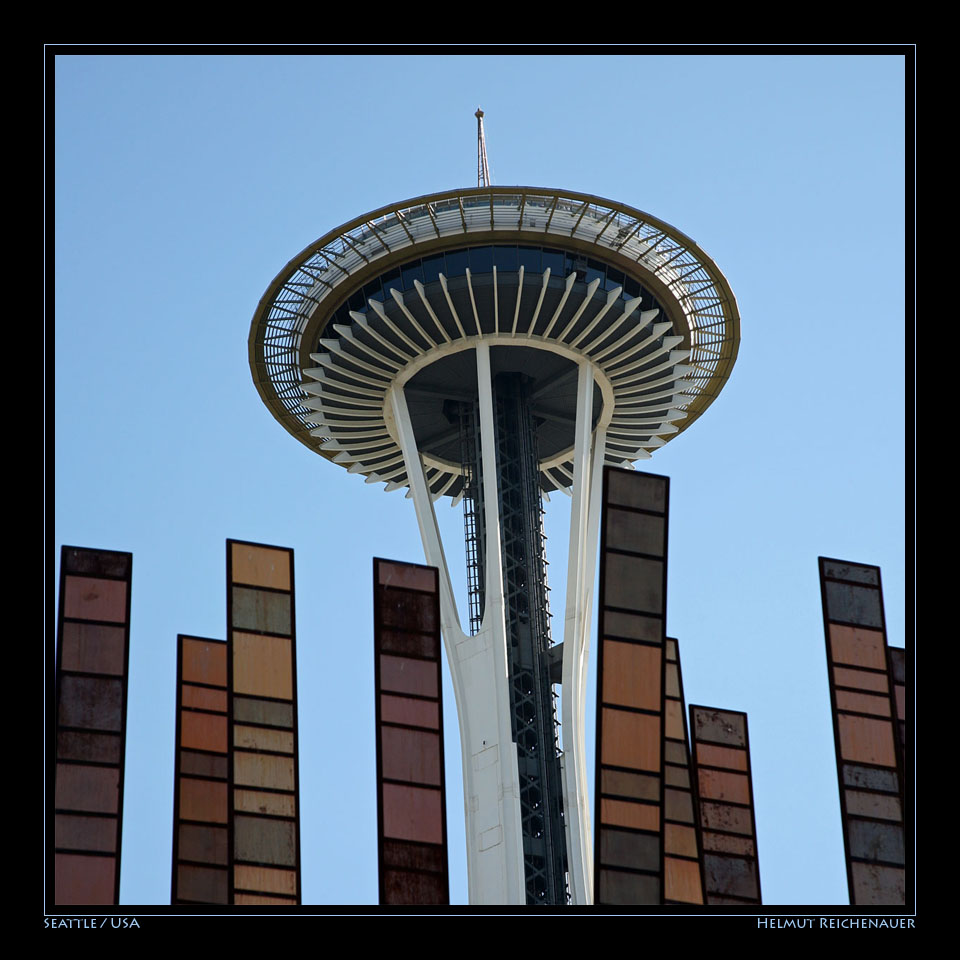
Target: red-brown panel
410	781
90	598
867	721
204	661
731	870
84	880
630	810
93	636
93	648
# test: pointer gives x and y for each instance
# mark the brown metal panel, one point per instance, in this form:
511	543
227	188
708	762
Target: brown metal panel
261	566
203	844
203	661
196	884
266	879
84	880
86	803
724	788
631	677
858	647
204	731
408	675
85	833
630	799
91	702
266	713
205	698
97	747
264	835
93	648
203	800
263	770
200	809
259	738
411	815
409	712
272	804
867	720
262	666
90	598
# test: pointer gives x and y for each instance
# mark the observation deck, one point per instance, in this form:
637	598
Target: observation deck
547	278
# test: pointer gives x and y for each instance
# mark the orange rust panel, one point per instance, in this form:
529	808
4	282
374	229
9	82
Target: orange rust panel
261	566
203	698
858	646
630	740
715	756
681	880
265	879
623	813
720	785
861	679
631	675
680	839
204	800
203	731
204	662
262	666
863	703
866	741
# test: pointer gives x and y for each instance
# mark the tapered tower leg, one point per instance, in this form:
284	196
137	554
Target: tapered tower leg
479	672
584	520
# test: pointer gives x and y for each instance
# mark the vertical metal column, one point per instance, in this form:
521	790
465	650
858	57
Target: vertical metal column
93	647
528	642
411	810
867	732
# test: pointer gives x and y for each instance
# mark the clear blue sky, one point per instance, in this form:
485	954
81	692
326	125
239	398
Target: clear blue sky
183	185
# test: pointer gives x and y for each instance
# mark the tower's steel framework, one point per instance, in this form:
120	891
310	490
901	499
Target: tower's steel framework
495	345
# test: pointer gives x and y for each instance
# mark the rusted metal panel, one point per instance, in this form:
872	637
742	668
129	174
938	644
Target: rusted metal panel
683	880
85	805
865	677
411	812
630	797
201	813
264	834
724	791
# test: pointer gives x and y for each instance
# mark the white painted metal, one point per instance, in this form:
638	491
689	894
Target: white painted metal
576	648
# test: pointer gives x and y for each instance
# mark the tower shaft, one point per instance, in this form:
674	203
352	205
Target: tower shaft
523	564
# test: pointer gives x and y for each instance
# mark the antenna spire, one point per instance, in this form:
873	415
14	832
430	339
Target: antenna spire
483	170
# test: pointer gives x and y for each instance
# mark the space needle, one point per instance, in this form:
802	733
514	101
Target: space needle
496	345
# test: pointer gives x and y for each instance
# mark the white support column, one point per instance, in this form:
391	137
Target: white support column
426	516
479	673
504	777
581	561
